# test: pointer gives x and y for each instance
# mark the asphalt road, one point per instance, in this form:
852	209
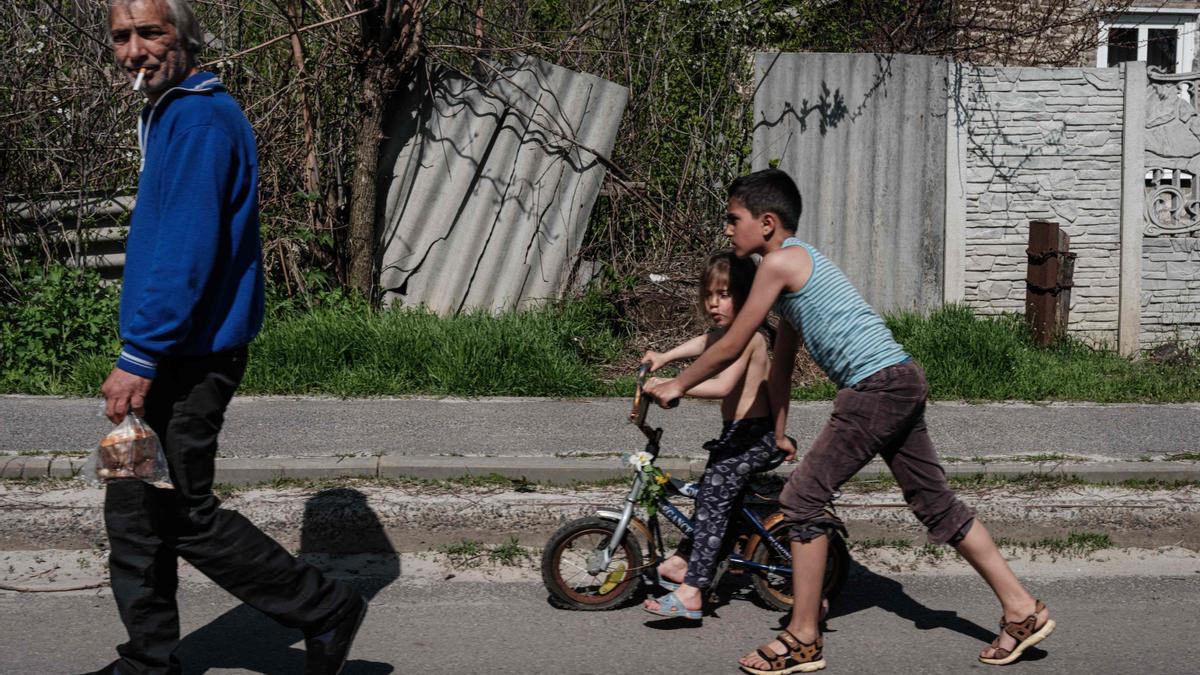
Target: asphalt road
299	427
900	624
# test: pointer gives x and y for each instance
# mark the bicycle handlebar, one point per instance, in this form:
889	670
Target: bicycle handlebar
641	401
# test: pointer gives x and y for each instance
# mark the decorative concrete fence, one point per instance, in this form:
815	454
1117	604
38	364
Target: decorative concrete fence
939	167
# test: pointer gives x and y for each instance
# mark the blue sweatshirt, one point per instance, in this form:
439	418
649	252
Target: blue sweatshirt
193	262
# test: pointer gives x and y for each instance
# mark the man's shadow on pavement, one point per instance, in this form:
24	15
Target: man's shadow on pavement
865	589
336	521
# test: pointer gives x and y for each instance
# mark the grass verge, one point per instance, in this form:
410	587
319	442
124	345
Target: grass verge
345	348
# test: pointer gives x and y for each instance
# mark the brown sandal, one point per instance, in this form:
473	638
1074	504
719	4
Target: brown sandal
801	657
1025	632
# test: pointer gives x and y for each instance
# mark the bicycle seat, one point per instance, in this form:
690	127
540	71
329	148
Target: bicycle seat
763	490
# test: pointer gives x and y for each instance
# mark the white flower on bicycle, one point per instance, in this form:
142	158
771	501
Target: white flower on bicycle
641	460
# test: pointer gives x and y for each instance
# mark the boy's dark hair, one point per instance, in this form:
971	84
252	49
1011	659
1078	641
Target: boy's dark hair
737	273
769	190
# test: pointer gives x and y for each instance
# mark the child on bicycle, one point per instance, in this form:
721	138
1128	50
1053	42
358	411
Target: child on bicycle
746	444
879	410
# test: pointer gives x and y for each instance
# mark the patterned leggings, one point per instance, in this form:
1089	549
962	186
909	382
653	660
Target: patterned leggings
745	447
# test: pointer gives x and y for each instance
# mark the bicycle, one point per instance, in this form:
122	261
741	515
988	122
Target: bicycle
599	562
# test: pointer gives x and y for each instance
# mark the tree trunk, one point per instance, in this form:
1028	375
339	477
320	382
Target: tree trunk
360	243
391	41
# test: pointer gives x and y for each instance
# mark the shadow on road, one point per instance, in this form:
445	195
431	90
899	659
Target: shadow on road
337	521
865	589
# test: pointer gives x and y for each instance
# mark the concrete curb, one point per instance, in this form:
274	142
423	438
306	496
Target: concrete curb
566	471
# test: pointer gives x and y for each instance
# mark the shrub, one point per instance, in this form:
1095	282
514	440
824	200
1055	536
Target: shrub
53	320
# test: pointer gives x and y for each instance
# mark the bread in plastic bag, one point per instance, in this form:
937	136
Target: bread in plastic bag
130	450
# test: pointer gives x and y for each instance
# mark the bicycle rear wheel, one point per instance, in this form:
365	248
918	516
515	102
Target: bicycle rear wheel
570	575
775	589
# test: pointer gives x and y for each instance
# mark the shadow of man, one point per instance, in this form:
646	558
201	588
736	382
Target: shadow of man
341	536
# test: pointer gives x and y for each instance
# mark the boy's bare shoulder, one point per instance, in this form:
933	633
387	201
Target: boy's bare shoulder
792	266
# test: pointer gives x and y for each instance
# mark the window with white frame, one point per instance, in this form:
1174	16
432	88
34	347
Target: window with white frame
1163	38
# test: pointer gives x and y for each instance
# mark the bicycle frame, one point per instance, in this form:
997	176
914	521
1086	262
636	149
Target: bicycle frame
673	515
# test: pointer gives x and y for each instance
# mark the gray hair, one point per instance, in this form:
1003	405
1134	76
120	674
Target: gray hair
180	14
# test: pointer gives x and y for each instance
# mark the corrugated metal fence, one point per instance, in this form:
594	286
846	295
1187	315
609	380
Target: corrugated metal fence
864	136
492	186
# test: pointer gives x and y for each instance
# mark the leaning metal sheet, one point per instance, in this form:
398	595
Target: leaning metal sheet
492	185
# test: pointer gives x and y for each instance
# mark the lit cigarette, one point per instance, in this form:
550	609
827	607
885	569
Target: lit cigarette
137	84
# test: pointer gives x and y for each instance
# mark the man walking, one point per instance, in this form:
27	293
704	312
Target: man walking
192	300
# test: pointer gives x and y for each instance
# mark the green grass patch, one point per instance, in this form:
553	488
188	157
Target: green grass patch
342	347
351	350
1183	457
980	358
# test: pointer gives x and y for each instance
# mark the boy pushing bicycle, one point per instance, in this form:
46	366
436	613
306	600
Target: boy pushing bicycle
879	410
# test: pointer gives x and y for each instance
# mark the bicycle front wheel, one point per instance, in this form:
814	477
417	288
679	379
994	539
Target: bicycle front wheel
570	572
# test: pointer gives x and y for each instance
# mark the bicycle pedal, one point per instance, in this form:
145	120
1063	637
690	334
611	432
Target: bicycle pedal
612	580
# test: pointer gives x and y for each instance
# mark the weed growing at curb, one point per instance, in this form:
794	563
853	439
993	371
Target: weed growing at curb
53	453
1044	457
494	480
1157	484
463	553
509	553
51	482
1183	457
1027	481
1077	544
867	544
467	553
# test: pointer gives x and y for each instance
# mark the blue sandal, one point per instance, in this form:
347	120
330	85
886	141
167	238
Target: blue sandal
667	585
672	607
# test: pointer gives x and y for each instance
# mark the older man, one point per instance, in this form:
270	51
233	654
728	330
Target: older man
192	300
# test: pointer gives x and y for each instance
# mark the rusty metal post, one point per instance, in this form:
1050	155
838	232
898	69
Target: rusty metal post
1041	281
1066	279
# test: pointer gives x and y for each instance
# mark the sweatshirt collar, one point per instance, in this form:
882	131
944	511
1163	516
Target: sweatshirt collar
197	83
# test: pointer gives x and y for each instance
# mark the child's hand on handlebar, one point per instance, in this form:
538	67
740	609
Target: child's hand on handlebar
655	359
664	392
787	445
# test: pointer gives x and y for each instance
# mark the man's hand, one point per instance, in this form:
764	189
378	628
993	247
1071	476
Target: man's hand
787	445
662	391
124	392
655	359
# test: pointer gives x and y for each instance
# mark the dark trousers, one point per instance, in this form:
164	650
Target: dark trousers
745	448
882	415
149	528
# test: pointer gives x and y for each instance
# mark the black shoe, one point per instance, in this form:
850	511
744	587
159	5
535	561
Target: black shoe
325	654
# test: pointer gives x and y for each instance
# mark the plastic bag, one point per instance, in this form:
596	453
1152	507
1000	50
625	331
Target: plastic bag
130	450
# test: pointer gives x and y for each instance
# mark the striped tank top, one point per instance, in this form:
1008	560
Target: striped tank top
846	338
